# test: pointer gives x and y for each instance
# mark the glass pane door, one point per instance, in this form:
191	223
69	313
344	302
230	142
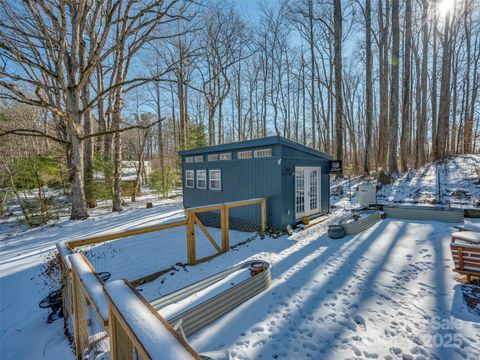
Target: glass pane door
313	193
300	192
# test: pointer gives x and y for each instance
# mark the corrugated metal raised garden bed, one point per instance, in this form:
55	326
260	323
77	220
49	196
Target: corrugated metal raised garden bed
195	306
360	221
424	212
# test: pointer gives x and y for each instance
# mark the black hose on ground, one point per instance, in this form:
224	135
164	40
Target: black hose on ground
53	300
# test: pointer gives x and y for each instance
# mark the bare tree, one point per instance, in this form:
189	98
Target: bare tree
53	51
383	84
368	87
337	16
444	108
422	121
405	133
393	119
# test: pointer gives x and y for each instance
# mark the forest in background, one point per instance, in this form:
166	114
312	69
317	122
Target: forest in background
384	85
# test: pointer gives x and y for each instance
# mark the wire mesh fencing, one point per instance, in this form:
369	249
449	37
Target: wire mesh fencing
137	331
208	234
91	336
212	230
67	296
138	256
141	255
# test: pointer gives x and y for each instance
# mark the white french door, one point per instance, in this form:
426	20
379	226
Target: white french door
307	191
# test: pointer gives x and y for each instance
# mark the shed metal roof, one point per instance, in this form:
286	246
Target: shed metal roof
269	140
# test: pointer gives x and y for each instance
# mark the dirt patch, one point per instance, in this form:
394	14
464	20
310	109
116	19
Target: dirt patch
51	270
471	294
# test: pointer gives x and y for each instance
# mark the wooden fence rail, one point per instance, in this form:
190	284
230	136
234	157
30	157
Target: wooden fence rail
193	220
84	302
89	307
138	331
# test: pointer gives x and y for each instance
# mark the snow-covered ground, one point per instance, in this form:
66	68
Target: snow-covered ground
455	182
387	293
24	332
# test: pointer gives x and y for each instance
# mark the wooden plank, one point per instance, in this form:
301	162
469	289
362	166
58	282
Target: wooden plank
472	213
201	209
229	205
467	255
205	231
144	230
474	248
131	335
467	264
64	251
264	214
225	229
474	273
244	202
76	327
103	321
467	261
151	277
316	221
460	258
206	258
112	334
191	253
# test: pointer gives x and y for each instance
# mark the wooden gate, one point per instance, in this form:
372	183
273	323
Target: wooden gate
224	245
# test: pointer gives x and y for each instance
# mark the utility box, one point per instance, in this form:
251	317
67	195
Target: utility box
367	194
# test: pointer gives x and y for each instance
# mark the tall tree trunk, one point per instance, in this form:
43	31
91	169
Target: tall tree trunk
312	68
383	85
264	98
239	101
453	133
368	90
79	204
433	94
181	108
117	167
468	129
141	166
405	138
304	106
422	122
88	153
160	137
337	18
393	119
444	100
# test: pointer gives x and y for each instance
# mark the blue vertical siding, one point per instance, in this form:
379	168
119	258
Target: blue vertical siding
272	178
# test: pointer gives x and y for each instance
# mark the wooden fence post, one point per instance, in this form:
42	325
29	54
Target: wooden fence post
112	333
76	326
264	214
191	238
225	226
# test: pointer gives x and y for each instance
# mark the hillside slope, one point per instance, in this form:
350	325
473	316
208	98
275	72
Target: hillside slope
455	182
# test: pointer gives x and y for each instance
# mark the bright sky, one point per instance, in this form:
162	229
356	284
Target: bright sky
249	8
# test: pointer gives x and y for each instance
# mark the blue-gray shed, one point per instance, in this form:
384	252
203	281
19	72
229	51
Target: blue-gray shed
294	178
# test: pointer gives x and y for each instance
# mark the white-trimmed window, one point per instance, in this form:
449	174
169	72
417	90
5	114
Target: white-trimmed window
212	157
189	159
245	154
215	179
226	156
201	179
262	153
189	178
199	158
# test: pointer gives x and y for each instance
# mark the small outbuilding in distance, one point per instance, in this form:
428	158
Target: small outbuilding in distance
294	178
